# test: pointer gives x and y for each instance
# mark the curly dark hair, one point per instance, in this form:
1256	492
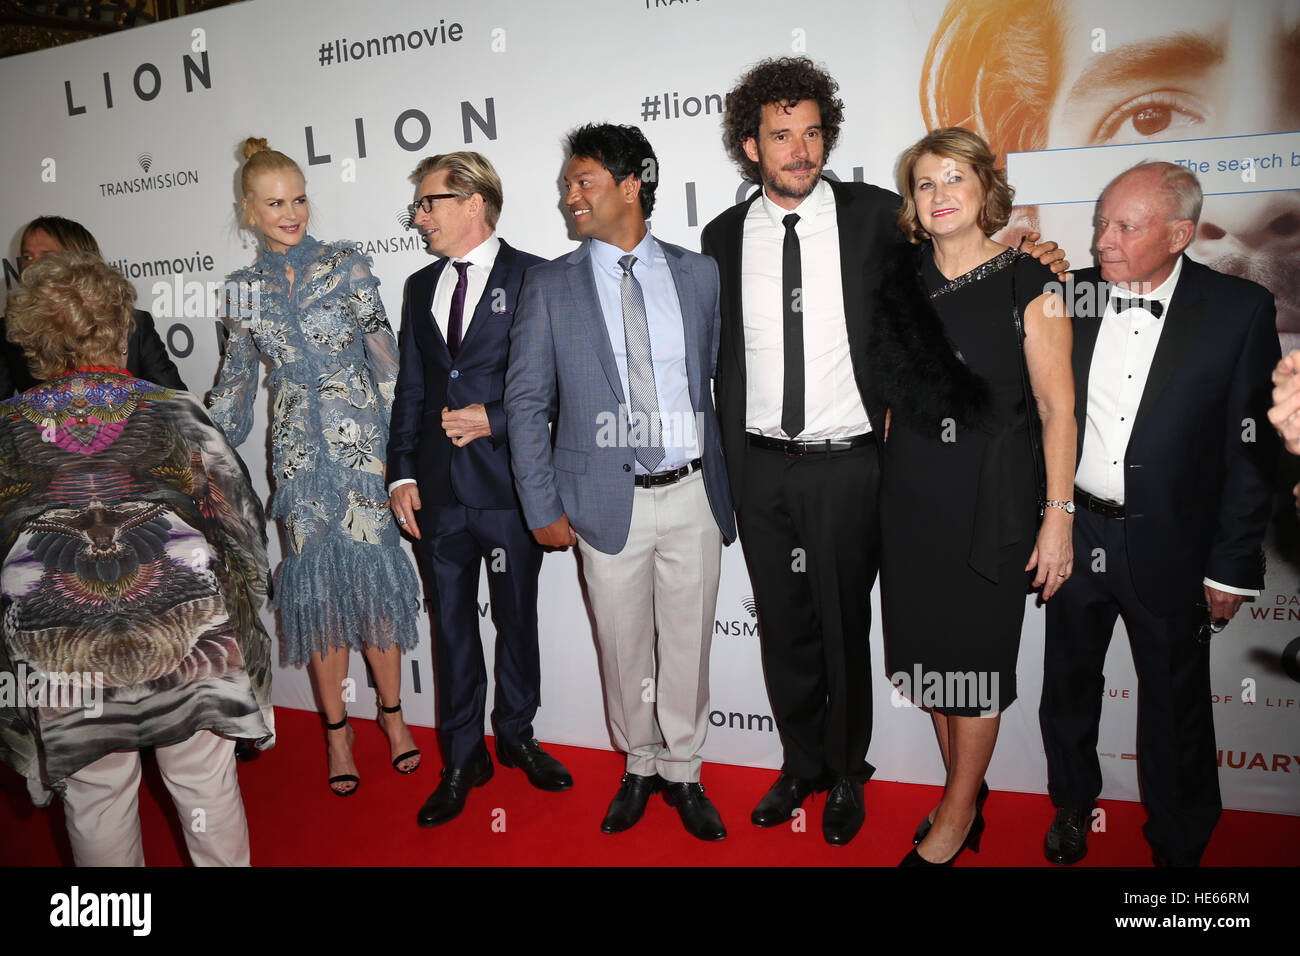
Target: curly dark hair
623	151
785	80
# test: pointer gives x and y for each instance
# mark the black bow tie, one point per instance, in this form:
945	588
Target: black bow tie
1123	303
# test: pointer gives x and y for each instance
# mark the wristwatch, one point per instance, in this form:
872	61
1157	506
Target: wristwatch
1066	506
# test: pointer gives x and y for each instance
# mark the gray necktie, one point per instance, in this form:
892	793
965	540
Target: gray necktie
643	397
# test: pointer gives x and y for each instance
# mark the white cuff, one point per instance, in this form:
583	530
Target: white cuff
400	481
1229	589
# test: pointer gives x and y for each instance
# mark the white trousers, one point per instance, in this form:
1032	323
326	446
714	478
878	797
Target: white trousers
664	584
102	804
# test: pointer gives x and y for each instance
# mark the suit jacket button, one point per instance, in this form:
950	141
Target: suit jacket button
627	467
455	373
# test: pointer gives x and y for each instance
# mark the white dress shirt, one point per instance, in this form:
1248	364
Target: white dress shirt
832	404
1121	362
481	259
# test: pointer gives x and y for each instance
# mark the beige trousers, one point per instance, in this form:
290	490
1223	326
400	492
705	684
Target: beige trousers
654	603
102	806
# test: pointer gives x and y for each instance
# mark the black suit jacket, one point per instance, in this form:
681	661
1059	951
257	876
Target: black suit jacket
1199	464
477	475
865	219
146	358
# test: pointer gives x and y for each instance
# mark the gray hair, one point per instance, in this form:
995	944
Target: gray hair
1180	186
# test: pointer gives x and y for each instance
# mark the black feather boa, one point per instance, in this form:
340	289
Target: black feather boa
913	368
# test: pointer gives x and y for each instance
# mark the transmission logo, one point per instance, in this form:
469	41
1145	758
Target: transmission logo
404	218
150	181
746	625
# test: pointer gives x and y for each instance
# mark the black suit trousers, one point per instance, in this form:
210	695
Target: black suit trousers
809	529
1177	765
455	542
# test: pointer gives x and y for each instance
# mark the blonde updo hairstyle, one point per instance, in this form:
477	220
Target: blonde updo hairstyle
72	309
260	158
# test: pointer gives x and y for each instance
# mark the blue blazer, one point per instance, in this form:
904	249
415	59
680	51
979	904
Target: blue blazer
477	475
562	370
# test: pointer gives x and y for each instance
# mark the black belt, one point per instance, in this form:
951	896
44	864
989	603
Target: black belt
797	448
1098	506
667	477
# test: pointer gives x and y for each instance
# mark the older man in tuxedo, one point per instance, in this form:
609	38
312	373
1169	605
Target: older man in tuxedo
1171	371
616	343
451	488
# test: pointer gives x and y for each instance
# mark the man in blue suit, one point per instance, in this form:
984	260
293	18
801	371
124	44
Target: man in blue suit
616	343
449	474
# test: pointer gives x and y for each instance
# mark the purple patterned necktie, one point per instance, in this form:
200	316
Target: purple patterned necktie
457	314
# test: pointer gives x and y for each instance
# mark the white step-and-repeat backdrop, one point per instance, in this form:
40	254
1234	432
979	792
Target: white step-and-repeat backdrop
135	136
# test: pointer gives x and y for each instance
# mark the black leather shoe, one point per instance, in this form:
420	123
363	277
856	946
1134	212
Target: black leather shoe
782	800
844	813
629	803
1067	838
448	800
699	815
924	828
543	771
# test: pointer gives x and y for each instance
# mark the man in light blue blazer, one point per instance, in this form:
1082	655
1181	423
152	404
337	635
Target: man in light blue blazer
616	344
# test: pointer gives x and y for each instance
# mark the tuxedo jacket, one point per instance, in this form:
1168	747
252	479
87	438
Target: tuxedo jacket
1199	465
868	238
478	474
562	369
146	358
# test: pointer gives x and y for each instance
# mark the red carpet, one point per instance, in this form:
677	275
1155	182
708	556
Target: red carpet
296	821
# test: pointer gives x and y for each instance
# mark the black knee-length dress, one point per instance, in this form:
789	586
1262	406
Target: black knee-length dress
959	508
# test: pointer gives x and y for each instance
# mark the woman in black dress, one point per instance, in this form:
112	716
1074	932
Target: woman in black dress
960	488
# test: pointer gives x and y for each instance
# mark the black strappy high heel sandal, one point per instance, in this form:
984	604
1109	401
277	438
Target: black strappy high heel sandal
396	708
351	778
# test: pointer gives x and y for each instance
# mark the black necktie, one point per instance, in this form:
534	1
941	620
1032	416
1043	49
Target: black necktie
792	411
457	314
1123	303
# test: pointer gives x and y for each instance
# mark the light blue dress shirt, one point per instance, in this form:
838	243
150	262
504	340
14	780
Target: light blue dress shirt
667	339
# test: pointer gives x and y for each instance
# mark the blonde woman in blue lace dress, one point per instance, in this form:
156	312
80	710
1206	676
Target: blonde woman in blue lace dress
313	310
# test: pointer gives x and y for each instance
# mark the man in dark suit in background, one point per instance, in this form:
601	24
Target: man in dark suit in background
146	356
450	481
1173	491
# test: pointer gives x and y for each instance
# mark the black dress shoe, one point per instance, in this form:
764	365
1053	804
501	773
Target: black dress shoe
543	771
1067	838
844	813
924	828
629	803
782	800
448	800
699	815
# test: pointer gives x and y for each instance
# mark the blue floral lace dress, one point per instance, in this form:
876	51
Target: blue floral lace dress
344	580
